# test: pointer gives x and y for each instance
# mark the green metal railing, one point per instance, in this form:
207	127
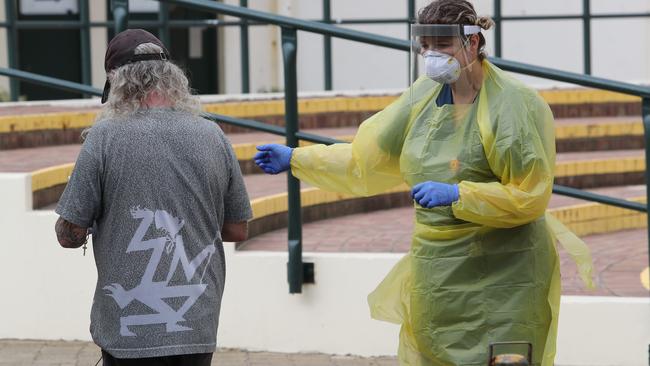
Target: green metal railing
289	26
15	75
586	16
164	24
12	46
120	10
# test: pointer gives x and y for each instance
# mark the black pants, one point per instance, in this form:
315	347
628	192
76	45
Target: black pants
196	359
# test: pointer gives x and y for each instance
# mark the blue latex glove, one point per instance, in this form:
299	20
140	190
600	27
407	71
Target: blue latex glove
433	194
273	158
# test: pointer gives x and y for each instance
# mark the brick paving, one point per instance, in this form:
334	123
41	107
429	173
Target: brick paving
618	259
259	185
74	353
31	159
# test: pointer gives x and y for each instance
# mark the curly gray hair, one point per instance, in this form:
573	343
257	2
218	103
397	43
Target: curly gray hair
131	83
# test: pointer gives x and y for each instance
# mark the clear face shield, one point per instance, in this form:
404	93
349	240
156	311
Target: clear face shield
440	51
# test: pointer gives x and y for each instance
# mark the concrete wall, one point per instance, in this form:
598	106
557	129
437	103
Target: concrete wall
47	293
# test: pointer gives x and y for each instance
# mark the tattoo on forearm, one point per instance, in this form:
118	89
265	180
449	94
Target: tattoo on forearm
69	234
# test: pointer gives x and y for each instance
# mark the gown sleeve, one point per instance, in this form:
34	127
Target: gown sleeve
369	165
519	144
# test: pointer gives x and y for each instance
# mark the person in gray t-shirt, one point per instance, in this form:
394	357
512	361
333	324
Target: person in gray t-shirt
161	189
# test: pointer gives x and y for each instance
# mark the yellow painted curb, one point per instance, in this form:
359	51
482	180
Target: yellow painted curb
46	121
277	203
307	106
632	128
600	166
645	278
582	96
50	177
595	218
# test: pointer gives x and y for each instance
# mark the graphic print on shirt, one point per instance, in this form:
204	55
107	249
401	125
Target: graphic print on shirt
152	293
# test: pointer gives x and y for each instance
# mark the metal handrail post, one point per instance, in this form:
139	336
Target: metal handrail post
411	20
163	29
497	28
289	51
12	47
327	45
586	35
245	55
84	33
645	111
120	9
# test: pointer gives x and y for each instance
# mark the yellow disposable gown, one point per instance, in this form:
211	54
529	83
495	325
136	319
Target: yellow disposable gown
486	268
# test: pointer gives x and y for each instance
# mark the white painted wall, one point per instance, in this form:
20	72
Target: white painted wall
47	294
604	331
620	47
98	43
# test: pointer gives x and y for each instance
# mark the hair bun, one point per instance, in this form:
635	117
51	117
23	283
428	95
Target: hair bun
485	22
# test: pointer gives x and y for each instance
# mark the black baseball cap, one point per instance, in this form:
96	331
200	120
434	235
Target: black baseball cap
121	51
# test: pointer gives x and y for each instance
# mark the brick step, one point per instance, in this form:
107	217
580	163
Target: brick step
30	124
573	135
600	168
579	170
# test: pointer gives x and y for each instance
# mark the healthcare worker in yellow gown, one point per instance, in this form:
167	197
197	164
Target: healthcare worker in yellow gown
477	149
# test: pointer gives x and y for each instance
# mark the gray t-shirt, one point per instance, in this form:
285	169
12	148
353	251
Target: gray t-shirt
156	188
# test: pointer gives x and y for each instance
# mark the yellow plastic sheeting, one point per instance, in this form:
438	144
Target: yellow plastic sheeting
369	165
575	247
486	268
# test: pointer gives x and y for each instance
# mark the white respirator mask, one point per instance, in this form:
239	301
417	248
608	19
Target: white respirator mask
441	67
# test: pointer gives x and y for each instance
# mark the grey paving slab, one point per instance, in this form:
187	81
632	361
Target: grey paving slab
66	353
